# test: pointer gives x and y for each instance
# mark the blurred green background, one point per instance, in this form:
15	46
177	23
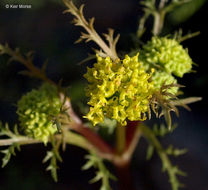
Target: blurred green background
48	32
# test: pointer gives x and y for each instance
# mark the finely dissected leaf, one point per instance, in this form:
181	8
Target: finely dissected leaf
162	130
178	35
163	103
157	8
8	153
48	156
51	156
26	60
13	136
174	151
102	174
183	102
53	169
167	166
99	176
91	34
88	165
150	151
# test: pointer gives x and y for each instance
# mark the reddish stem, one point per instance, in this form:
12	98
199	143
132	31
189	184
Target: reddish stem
94	139
125	181
130	131
122	165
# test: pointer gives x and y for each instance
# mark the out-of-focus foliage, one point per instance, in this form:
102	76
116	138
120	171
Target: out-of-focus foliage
185	11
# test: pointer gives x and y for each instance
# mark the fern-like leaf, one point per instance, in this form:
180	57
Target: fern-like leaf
53	157
8	153
102	174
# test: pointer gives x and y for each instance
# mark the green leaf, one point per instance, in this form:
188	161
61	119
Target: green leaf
167	166
99	176
50	156
162	130
53	157
88	165
6	131
184	12
8	153
150	151
102	174
175	152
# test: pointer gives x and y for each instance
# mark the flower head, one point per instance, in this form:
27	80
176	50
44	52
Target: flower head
167	54
35	110
118	89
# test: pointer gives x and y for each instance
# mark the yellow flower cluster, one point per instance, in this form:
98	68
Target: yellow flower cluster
118	89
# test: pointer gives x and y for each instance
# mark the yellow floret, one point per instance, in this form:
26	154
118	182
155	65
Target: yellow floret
118	89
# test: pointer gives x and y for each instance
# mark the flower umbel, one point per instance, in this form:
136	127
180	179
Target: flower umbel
35	110
118	89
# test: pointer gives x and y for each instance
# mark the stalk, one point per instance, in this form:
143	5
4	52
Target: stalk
125	181
127	139
120	139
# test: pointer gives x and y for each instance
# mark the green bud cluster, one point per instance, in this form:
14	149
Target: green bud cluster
118	89
36	109
159	78
168	58
167	54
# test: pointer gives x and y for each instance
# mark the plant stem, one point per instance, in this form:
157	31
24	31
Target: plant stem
125	181
120	138
20	140
77	140
131	137
162	4
158	22
93	138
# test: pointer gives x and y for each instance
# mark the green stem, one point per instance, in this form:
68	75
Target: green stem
20	140
77	140
120	138
93	138
158	22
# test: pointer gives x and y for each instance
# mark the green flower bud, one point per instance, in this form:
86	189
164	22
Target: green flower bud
159	78
36	109
118	89
167	54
